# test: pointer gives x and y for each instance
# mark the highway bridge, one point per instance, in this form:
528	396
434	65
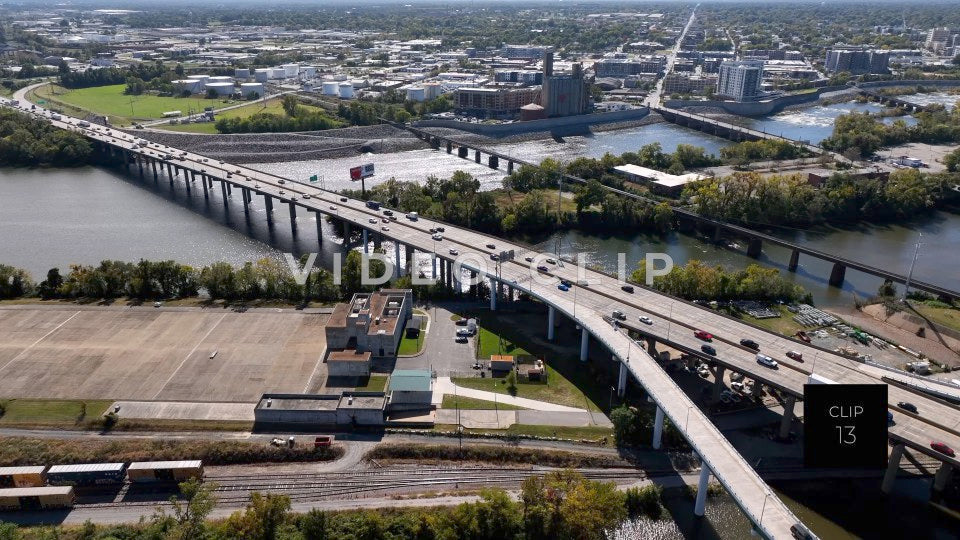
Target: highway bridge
589	303
720	229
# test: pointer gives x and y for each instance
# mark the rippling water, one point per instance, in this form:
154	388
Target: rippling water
944	98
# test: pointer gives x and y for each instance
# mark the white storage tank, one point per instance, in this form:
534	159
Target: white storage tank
221	88
220	78
201	78
241	73
248	89
346	90
261	75
308	72
432	90
291	70
277	73
189	85
331	88
416	93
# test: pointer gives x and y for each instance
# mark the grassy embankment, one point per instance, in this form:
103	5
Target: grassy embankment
453	401
29	451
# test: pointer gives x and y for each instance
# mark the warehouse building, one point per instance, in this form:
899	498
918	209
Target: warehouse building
658	181
348	409
493	101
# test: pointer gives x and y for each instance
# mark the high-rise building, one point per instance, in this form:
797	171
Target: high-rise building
856	60
938	38
740	80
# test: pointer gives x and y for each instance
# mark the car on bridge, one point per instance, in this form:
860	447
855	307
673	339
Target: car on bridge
907	406
563	287
627	288
750	344
708	349
543	268
703	334
942	448
646	320
454	252
794	355
765	360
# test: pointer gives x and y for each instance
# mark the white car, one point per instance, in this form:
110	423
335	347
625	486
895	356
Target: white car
454	252
372	220
765	360
438	237
333	207
646	320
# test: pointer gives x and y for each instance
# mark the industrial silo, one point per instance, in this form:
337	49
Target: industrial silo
241	73
221	88
346	90
331	88
248	89
261	75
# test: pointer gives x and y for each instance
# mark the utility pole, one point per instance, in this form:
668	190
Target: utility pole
916	254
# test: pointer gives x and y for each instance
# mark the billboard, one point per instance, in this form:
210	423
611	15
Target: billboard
361	172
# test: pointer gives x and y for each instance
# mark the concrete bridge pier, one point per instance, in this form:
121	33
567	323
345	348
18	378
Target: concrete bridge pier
787	421
493	294
893	465
293	217
550	321
153	164
493	162
584	343
509	167
718	386
701	505
435	143
473	284
622	379
186	180
170	174
319	218
396	259
223	191
346	235
837	274
140	165
942	477
245	195
794	261
366	245
449	283
449	147
658	429
229	188
443	271
755	247
268	203
462	152
409	252
652	347
476	156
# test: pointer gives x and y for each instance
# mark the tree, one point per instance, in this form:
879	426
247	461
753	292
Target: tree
219	280
14	282
511	381
313	525
887	289
952	160
590	194
290	104
191	511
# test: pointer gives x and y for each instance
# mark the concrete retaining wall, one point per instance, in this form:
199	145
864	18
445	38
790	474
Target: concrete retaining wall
547	124
756	108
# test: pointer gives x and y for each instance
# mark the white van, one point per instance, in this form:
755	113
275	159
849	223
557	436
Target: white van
413	216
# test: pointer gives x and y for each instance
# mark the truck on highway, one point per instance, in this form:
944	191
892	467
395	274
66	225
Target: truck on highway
813	378
373	205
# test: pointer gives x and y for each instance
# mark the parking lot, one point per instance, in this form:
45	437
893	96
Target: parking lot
159	354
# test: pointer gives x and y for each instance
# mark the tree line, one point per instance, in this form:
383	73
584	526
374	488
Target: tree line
145	71
560	505
862	134
698	281
29	141
749	198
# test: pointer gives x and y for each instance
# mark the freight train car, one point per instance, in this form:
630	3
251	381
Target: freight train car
164	471
17	477
86	474
37	498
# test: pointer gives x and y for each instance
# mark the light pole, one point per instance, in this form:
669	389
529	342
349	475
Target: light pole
916	254
686	423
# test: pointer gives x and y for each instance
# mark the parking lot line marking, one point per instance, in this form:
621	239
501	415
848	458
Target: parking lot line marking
189	354
15	358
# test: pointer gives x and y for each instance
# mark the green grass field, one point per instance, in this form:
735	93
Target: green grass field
51	413
453	401
558	389
493	339
375	383
411	346
123	109
592	433
273	106
944	316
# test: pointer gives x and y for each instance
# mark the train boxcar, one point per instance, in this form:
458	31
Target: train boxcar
164	471
86	474
37	498
17	477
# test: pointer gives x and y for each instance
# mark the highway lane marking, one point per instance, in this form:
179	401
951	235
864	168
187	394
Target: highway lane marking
189	354
23	352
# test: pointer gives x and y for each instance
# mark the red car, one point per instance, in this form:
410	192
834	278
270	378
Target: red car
942	448
706	336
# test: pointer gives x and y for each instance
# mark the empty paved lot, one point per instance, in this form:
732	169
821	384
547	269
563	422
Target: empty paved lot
157	354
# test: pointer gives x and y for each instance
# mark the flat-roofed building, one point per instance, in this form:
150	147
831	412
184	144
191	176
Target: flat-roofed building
659	181
410	387
494	101
370	323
